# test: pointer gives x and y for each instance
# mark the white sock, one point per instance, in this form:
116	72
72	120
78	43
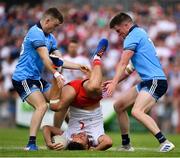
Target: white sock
97	57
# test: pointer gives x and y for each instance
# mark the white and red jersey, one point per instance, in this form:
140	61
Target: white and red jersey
70	74
87	121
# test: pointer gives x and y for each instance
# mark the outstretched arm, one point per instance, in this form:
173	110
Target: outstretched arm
68	64
129	70
120	70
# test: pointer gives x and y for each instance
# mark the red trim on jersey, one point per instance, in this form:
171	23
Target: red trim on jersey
81	99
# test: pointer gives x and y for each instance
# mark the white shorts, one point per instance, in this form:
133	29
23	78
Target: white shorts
90	122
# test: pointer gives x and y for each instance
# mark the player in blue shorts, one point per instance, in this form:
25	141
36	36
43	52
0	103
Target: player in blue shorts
37	46
140	50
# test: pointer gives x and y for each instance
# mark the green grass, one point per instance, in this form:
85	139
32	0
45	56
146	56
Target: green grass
12	142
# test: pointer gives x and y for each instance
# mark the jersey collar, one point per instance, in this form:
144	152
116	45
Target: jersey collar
134	26
39	25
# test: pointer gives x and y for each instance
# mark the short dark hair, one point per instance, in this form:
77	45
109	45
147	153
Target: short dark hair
75	146
73	41
119	18
55	13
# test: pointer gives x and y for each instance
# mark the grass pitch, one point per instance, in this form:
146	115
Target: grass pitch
12	142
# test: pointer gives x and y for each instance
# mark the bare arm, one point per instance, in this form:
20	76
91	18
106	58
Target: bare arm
48	132
43	53
68	64
65	99
120	70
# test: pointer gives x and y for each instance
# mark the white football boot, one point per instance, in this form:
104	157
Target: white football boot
166	146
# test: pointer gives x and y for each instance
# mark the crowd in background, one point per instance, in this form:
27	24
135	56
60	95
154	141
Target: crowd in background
87	25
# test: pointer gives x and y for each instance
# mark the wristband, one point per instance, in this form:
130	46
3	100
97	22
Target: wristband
57	74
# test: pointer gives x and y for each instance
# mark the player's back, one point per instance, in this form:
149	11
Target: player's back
145	59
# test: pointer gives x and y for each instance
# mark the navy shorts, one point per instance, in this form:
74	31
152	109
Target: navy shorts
26	87
155	87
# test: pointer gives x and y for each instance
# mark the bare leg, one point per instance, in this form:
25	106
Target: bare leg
126	99
40	109
143	104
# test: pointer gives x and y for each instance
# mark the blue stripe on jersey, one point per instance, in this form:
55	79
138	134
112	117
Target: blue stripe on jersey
144	60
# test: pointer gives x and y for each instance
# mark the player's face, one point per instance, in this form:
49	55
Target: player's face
122	30
72	49
80	138
51	24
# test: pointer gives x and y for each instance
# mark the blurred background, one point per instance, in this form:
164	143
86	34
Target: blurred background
87	21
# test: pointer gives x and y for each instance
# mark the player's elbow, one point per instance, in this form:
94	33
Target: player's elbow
107	141
109	144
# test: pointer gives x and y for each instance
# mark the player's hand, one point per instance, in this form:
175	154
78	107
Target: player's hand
60	82
111	88
59	78
85	70
55	146
106	83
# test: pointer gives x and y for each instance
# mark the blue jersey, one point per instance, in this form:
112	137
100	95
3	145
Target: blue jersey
144	60
30	65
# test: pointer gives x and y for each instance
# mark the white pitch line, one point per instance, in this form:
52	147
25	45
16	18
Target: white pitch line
111	149
19	148
143	149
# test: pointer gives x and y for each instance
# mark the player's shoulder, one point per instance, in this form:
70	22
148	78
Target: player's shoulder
35	30
138	31
137	34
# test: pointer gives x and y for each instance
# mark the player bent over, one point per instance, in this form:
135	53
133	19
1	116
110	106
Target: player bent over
140	50
85	129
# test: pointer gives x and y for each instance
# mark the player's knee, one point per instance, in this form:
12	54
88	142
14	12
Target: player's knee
118	107
135	112
45	127
94	87
42	108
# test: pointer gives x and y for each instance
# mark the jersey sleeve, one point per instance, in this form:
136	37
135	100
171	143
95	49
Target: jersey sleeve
131	41
54	44
37	38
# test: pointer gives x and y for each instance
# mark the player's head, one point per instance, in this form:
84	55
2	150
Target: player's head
121	22
72	48
79	142
51	19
